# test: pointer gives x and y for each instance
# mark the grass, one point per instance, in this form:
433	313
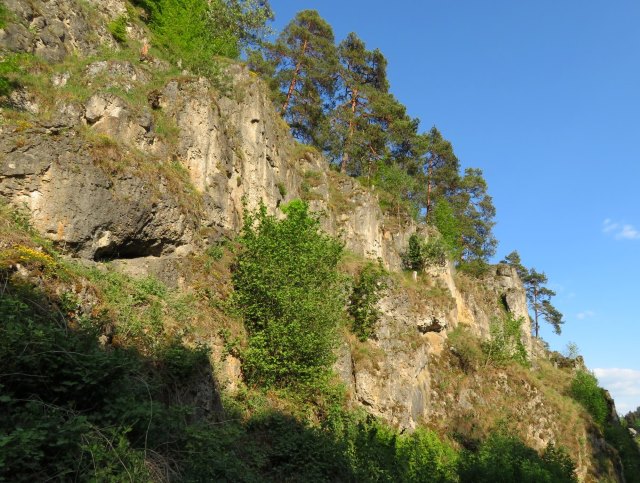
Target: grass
511	395
426	291
118	28
365	354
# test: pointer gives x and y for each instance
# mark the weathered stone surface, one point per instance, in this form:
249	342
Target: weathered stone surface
80	206
53	29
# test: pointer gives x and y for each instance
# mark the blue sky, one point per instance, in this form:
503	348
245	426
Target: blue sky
543	96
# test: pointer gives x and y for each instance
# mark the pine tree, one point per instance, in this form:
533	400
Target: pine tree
538	295
362	77
303	64
475	211
440	165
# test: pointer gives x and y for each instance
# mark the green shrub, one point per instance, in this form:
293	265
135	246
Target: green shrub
10	68
585	390
618	436
424	457
195	32
504	457
363	301
443	218
505	343
215	251
118	29
290	294
424	253
476	268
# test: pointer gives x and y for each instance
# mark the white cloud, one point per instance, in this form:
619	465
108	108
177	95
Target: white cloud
624	386
620	231
628	232
608	226
585	314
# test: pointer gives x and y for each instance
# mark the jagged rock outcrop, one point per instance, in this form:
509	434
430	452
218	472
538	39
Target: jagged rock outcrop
148	180
394	381
84	177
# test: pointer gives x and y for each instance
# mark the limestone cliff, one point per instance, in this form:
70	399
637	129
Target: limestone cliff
138	162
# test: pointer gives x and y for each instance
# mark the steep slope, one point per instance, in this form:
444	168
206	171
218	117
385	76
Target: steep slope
134	161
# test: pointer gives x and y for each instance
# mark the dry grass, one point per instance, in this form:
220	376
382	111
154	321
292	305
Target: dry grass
474	289
365	355
474	398
426	291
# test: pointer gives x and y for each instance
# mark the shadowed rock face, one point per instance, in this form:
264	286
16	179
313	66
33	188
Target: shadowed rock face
81	207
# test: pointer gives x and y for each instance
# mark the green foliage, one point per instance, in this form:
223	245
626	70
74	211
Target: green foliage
215	251
10	69
300	67
444	219
58	390
245	20
424	457
367	291
505	343
4	15
503	457
195	32
118	28
397	188
423	253
538	295
183	30
413	258
585	390
289	292
477	268
618	436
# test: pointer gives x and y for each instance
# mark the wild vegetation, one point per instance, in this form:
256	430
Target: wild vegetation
108	391
107	377
337	98
538	295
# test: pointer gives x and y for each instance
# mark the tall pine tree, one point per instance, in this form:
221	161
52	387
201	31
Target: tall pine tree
538	295
303	65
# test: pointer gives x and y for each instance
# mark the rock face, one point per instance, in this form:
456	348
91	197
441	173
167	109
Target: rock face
107	177
82	208
103	180
413	327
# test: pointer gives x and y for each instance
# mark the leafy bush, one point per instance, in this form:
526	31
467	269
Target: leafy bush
196	31
363	301
503	457
290	294
476	267
444	219
618	436
505	343
585	390
423	253
118	29
10	67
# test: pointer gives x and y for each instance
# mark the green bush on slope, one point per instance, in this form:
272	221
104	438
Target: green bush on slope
291	297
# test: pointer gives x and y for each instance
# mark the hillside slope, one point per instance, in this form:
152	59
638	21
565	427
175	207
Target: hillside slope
123	179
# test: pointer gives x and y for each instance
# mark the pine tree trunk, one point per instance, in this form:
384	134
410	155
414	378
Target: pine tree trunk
294	80
429	173
535	311
345	154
